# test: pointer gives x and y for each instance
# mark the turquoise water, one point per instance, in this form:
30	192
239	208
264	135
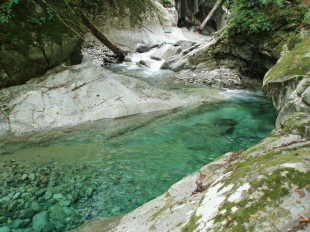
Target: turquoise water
111	167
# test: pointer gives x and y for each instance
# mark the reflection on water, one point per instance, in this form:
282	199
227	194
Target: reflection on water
111	167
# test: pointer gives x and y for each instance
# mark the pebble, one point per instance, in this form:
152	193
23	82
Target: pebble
6	198
32	176
20	223
46	190
5	229
58	197
26	196
24	176
48	195
64	203
17	195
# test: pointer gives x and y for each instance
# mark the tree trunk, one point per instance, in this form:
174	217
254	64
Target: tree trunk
101	37
207	19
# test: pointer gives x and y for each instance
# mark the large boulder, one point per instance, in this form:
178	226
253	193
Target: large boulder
164	52
81	93
154	23
287	84
22	63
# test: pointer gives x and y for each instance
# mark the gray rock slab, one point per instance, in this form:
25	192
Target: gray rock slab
142	48
83	93
164	52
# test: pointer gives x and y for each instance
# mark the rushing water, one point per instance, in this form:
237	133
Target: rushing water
111	167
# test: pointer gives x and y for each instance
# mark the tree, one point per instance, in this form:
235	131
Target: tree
101	37
209	16
91	27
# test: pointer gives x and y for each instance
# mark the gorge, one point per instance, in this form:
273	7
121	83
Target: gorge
87	140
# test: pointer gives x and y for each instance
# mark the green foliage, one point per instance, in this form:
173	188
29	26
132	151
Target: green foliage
32	21
134	9
265	16
6	11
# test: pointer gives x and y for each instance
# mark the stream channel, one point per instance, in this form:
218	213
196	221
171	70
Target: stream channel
63	177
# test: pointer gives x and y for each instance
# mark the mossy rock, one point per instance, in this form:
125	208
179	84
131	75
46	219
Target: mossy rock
294	63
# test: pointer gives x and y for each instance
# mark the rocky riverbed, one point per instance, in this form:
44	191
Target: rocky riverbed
44	196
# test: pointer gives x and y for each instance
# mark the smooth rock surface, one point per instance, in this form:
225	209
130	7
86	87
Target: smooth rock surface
164	52
287	84
82	93
142	48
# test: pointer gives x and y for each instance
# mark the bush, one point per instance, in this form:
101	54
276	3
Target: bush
265	16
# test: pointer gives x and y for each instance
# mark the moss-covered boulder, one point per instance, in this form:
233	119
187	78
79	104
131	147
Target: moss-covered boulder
21	63
34	38
287	84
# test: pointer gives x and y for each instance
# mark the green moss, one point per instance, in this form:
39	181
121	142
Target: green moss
294	63
153	227
276	186
160	211
192	224
168	195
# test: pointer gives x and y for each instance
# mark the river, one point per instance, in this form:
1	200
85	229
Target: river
110	167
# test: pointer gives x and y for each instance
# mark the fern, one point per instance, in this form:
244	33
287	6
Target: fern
265	16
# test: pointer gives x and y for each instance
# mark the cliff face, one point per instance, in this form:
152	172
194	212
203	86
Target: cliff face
287	84
192	13
33	39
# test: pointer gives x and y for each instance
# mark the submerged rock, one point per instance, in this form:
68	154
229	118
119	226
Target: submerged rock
238	191
81	93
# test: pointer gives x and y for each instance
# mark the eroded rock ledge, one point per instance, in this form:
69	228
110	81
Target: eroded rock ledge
82	93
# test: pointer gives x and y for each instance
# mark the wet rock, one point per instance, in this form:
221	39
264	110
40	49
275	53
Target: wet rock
40	221
20	223
178	50
67	210
5	213
48	195
164	52
27	213
36	206
24	176
13	205
64	203
127	59
2	219
17	195
39	193
56	212
116	209
6	199
141	48
58	197
5	229
185	44
26	196
32	176
142	63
